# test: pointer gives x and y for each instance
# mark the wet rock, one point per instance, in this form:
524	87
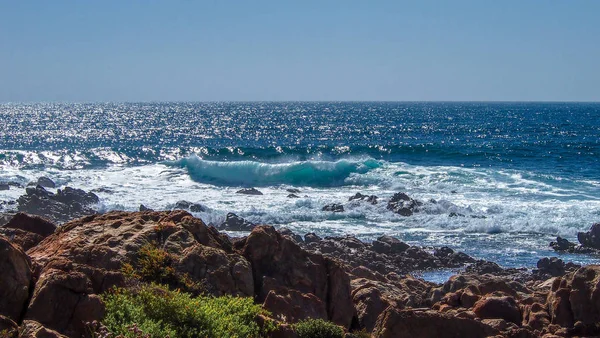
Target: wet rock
334	207
293	190
455	214
193	207
402	204
144	208
234	222
358	196
65	205
4	186
311	238
43	182
15	280
249	191
554	267
591	238
293	196
562	244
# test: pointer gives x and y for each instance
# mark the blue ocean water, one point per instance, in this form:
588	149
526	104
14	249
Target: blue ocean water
532	169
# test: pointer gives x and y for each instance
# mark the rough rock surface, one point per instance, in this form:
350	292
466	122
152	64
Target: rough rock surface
360	197
285	273
334	207
402	204
15	280
61	207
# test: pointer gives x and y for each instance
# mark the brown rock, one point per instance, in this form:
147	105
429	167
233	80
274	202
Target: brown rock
536	316
25	239
15	280
33	329
291	306
394	323
279	265
8	328
585	295
31	223
498	307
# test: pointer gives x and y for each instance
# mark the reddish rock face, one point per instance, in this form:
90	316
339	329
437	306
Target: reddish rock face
279	266
15	280
498	307
30	223
394	323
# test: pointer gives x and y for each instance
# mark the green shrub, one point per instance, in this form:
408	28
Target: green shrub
156	311
318	328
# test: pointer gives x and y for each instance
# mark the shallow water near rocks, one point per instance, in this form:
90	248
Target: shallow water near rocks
516	175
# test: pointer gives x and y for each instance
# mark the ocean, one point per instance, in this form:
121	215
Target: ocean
515	174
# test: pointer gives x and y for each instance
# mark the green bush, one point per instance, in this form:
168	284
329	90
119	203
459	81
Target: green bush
157	312
318	328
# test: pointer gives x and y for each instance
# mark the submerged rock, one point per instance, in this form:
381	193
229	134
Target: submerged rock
402	204
358	196
249	191
193	207
334	207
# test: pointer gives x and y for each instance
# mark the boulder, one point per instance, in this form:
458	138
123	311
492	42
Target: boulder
25	239
249	191
193	207
311	238
234	222
334	207
144	208
4	186
279	266
498	307
293	196
388	244
591	238
295	237
31	223
15	280
562	244
293	190
396	323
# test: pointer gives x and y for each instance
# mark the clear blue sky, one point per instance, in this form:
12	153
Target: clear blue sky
299	50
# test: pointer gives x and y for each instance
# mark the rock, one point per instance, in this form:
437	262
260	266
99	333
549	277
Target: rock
33	329
15	280
86	256
284	272
8	327
395	323
25	239
249	191
31	223
144	208
388	244
498	307
562	244
584	297
222	273
590	239
553	267
311	238
65	205
334	207
293	190
234	222
293	196
295	237
193	207
402	204
358	196
4	186
46	182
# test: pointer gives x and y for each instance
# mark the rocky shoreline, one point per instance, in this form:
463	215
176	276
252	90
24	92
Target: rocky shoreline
54	275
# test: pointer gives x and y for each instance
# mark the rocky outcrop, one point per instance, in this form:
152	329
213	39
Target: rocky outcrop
27	230
402	204
288	278
63	206
591	238
185	205
15	280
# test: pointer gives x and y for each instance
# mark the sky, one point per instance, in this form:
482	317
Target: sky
273	50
